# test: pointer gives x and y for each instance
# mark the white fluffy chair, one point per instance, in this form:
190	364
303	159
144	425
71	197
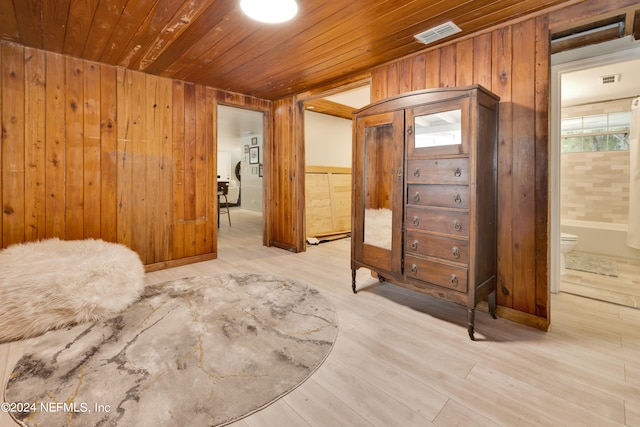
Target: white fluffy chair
233	194
54	283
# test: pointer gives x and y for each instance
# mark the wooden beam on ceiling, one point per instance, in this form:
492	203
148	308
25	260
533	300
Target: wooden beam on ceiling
324	106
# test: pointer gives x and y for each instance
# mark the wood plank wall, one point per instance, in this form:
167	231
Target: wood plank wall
285	166
513	62
95	151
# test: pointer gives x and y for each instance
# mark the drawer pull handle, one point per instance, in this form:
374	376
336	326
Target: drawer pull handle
414	245
416	172
399	172
454	279
416	197
457	199
457	225
457	172
414	268
455	252
416	221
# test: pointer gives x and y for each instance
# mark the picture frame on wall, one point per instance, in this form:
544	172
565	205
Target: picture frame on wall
246	148
254	155
254	140
260	170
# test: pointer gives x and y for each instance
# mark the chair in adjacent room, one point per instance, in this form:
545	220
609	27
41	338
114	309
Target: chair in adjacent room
223	190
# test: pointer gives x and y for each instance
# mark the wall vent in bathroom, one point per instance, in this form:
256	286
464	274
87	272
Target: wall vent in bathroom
611	78
437	33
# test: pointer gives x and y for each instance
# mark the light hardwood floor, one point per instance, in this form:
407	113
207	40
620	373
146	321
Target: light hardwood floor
623	289
405	359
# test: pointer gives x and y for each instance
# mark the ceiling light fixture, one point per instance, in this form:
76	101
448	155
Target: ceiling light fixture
269	11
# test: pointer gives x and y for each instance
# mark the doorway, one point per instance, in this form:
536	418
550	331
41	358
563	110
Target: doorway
328	136
599	63
240	166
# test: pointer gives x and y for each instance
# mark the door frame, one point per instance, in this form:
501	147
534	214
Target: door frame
565	62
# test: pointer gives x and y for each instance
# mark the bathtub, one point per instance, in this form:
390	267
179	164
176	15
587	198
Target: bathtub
600	238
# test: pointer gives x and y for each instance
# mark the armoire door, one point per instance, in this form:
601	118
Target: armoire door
378	179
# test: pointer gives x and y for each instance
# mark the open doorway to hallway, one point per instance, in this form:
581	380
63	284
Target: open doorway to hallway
240	165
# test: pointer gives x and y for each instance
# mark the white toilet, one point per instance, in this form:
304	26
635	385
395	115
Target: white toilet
568	243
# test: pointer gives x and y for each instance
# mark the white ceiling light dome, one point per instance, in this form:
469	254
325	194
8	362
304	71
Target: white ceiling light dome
269	11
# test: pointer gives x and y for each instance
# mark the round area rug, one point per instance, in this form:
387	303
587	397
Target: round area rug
200	351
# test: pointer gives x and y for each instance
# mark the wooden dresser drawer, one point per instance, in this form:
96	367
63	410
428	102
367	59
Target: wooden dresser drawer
438	220
437	246
438	171
449	196
439	274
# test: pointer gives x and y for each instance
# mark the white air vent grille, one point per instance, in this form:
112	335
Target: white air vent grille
437	33
611	78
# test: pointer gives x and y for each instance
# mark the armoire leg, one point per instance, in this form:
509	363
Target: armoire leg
493	304
471	320
353	281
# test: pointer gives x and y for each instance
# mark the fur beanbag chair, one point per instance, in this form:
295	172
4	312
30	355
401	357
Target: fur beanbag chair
54	283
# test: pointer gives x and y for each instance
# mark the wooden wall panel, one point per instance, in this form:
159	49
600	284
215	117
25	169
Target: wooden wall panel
208	240
523	143
432	60
124	166
139	151
464	63
94	151
542	156
448	66
55	146
379	84
178	170
501	86
74	150
393	84
503	62
108	153
153	164
35	160
405	75
285	196
418	72
201	159
163	236
12	150
190	169
280	169
482	60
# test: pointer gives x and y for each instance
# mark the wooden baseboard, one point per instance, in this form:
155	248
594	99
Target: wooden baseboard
523	318
178	262
284	246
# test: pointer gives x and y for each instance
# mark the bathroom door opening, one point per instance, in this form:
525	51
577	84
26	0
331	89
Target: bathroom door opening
564	64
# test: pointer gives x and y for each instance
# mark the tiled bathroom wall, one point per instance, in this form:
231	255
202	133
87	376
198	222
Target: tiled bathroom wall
595	185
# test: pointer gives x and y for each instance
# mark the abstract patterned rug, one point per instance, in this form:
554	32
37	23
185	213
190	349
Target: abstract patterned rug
591	264
199	351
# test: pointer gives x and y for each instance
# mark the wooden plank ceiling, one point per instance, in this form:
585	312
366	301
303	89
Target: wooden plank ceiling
212	42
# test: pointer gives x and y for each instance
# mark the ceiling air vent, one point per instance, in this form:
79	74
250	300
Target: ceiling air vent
611	78
437	33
